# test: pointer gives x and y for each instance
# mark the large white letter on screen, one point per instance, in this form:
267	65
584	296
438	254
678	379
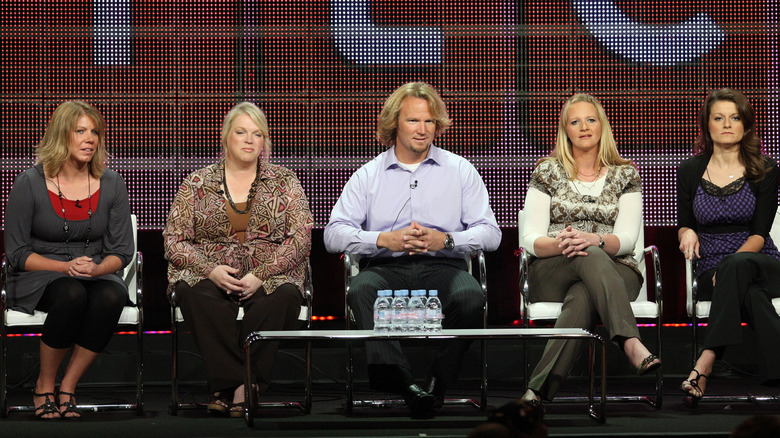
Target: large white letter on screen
111	32
358	39
666	45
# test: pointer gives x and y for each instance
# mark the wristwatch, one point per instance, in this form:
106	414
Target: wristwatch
601	241
449	242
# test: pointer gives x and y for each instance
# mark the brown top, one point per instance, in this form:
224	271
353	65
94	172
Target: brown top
238	222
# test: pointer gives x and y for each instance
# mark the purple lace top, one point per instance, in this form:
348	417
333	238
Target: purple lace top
733	204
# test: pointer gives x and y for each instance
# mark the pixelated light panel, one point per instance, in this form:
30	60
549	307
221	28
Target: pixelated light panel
164	73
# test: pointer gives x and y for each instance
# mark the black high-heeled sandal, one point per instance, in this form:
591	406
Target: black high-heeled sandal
47	407
648	364
70	407
693	383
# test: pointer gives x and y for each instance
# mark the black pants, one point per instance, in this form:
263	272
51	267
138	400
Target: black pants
81	312
220	338
744	287
459	292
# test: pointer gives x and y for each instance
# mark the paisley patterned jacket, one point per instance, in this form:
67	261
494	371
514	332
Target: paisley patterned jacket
198	236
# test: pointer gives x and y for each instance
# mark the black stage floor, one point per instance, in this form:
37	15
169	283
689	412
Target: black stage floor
328	419
115	369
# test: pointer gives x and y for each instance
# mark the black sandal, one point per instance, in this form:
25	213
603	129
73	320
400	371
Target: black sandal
694	383
48	407
70	407
648	364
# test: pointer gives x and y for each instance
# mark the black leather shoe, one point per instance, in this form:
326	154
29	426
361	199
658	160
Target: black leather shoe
419	402
436	387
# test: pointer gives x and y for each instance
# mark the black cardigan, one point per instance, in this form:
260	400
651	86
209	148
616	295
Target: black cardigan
689	176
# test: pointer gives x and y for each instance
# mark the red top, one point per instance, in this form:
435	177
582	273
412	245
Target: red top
74	210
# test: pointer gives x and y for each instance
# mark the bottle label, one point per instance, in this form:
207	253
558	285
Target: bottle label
433	313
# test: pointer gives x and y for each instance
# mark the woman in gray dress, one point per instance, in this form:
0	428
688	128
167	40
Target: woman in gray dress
67	233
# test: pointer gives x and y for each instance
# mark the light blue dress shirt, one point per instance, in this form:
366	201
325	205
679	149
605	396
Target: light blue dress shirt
445	192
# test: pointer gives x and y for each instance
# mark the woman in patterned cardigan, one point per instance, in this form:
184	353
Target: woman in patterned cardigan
587	205
224	254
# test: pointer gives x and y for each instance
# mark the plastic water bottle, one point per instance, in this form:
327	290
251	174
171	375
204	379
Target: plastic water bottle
416	319
382	311
400	308
433	312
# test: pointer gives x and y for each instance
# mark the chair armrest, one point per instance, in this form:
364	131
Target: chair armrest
523	282
2	290
478	261
692	285
139	280
652	251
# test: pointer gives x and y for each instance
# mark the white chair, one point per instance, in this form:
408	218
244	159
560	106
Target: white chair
703	312
177	318
642	307
351	269
132	317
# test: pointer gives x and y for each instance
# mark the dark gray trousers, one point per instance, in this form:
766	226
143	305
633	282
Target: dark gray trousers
459	292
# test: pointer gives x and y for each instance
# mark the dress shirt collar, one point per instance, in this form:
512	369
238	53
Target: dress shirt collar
435	156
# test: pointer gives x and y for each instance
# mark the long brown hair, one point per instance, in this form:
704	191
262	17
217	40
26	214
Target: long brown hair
749	148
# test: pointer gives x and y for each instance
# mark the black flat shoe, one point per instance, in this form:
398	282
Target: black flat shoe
694	384
419	402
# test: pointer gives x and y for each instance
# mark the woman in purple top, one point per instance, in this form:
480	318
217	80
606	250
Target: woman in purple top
726	201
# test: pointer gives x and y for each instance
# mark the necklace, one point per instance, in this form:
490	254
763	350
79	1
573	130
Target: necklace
250	196
585	198
66	227
589	175
731	175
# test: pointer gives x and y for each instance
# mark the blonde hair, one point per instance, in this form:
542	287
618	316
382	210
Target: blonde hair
257	115
387	122
562	153
54	149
